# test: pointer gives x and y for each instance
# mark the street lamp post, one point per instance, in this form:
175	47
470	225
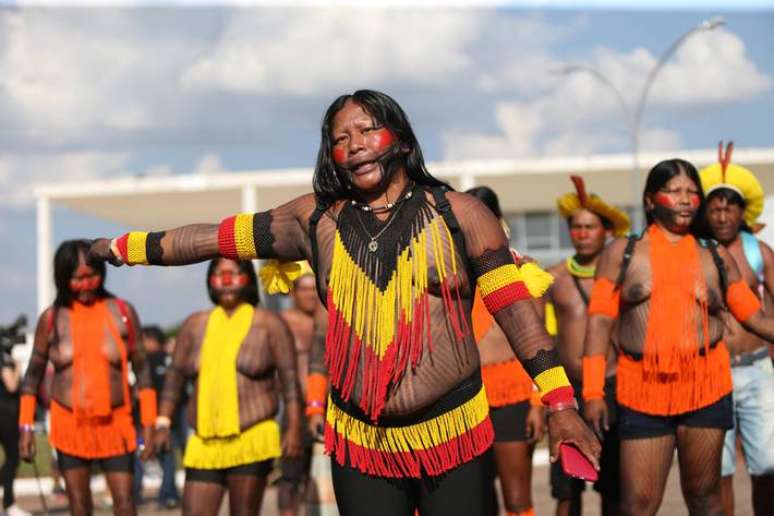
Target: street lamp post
634	118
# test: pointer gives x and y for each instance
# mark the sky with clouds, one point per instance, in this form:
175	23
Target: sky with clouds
116	91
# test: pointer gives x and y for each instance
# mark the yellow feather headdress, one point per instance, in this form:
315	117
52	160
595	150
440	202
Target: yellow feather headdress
571	203
725	174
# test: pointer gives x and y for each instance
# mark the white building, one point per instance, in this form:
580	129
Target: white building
527	191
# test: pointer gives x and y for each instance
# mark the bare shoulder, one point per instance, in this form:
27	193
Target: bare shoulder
302	207
271	320
462	203
557	270
195	319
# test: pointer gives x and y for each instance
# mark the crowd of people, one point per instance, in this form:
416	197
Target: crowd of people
427	355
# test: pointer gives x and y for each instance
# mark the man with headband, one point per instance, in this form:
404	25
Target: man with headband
734	202
591	223
397	257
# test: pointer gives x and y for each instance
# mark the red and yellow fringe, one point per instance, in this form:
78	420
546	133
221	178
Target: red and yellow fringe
431	447
387	327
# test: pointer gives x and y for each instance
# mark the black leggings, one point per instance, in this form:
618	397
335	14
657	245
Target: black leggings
9	440
467	489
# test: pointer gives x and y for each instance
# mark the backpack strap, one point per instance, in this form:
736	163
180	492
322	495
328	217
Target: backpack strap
712	246
131	337
443	207
627	258
584	296
319	210
752	251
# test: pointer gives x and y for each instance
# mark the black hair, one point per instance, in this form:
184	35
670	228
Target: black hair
661	174
249	291
154	332
330	184
731	197
65	262
488	197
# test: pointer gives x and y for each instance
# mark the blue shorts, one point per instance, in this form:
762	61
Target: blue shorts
753	419
634	424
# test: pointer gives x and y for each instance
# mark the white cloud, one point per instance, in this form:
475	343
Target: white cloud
302	52
581	115
69	73
711	67
20	172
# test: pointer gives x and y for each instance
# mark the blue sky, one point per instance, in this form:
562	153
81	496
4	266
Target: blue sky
93	93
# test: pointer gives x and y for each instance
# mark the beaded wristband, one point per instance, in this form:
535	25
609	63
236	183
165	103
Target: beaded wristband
26	428
562	405
162	422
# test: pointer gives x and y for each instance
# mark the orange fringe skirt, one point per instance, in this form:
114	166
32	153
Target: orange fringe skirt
703	383
92	438
506	383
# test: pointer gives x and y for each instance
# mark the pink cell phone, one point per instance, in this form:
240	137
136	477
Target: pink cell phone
575	464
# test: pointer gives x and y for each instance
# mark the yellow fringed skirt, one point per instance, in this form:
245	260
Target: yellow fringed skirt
258	443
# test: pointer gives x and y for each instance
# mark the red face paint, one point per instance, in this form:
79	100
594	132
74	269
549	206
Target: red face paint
86	284
694	200
665	200
382	139
227	279
339	155
579	234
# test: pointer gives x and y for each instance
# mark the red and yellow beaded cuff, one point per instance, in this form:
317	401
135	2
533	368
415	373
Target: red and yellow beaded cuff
235	237
554	386
132	248
499	280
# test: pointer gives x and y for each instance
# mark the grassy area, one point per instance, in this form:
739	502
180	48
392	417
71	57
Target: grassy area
42	458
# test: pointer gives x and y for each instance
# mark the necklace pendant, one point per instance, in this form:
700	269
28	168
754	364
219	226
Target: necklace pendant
373	246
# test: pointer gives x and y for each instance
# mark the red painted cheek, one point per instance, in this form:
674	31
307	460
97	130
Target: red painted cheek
664	200
339	155
86	284
383	139
695	201
579	234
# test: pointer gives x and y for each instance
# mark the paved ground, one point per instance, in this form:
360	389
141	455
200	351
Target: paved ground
672	505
